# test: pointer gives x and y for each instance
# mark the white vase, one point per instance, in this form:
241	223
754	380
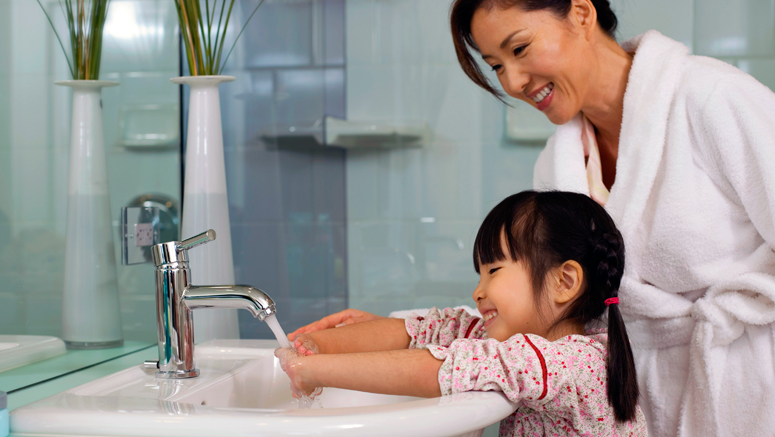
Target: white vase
205	202
91	317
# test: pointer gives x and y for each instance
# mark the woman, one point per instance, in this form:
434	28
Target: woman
679	149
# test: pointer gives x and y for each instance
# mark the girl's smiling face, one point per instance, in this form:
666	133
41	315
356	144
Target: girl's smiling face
506	300
538	58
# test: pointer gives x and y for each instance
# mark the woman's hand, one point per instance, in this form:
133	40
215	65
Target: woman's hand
293	364
367	336
346	317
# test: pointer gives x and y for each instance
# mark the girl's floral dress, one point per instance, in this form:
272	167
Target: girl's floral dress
560	385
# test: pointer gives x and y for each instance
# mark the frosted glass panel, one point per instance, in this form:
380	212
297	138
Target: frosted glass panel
280	34
300	95
287	197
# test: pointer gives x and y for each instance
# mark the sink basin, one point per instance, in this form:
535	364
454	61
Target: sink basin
243	391
18	350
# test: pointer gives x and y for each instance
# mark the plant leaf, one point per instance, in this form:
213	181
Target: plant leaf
240	34
69	65
223	38
203	52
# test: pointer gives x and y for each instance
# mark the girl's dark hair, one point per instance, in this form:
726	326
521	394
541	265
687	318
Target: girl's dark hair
462	11
546	229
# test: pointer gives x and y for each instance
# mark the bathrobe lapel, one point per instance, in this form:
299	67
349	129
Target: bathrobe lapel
647	102
561	165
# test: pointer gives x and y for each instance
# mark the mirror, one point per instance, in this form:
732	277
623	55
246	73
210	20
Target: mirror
141	125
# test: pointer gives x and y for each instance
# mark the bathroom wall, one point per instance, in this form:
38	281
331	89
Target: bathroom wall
287	201
413	213
7	298
401	236
741	32
140	52
286	191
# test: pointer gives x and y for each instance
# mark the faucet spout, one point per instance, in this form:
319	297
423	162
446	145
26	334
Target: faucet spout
243	297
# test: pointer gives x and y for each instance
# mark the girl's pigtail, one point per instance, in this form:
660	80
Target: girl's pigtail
622	378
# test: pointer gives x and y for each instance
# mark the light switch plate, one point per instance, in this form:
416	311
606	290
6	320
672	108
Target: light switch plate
143	234
140	231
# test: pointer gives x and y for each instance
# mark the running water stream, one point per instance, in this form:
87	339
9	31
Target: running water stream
304	402
274	325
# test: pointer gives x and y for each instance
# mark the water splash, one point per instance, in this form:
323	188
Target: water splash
274	325
304	402
311	401
290	361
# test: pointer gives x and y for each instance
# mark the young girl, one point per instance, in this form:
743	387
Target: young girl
550	264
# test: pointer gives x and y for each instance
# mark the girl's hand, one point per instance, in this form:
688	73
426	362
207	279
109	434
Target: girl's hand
306	345
346	317
293	364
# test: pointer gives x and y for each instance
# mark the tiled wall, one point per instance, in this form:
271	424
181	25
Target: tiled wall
140	52
413	214
741	32
286	198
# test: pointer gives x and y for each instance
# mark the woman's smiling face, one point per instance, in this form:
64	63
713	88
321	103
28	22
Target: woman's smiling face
538	58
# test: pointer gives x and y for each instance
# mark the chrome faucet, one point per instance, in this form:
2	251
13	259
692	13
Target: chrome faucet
176	299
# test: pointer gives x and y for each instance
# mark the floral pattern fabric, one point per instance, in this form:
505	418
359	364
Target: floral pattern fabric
560	385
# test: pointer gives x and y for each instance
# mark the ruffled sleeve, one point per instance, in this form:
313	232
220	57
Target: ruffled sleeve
442	327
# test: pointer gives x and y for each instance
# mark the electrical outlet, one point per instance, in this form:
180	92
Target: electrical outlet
140	231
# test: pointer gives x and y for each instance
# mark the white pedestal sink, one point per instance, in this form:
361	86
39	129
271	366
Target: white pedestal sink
18	350
243	391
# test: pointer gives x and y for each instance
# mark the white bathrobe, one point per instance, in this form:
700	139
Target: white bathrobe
694	198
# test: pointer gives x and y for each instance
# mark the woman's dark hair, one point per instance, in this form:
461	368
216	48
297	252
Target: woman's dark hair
546	229
462	11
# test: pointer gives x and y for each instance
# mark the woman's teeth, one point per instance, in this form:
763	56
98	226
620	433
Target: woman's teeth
544	92
489	316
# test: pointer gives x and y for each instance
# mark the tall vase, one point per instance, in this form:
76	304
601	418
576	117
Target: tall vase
91	317
205	202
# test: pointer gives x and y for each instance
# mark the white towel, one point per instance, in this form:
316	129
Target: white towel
694	198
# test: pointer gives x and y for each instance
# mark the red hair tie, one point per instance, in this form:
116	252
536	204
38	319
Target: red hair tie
612	300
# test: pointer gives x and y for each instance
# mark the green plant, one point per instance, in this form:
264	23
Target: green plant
202	50
85	22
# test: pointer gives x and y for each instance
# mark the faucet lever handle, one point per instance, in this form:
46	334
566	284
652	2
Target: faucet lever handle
204	237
